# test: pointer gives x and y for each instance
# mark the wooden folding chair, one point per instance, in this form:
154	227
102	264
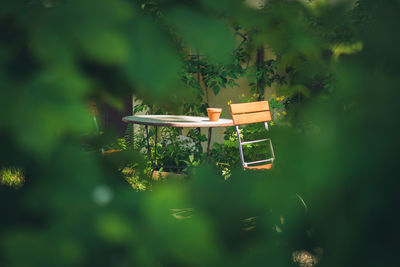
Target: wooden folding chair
248	113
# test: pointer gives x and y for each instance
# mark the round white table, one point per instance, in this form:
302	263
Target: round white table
178	121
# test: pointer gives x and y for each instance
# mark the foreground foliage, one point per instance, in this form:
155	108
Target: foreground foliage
75	210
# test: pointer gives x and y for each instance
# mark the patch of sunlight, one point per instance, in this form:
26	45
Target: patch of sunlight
346	48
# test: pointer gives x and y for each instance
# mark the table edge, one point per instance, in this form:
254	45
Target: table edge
177	124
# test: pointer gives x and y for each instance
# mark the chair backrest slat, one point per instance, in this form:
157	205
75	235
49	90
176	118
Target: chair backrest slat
249	107
247	118
246	113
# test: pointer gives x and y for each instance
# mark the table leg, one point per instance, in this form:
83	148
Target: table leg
148	142
155	149
149	149
132	134
209	142
199	144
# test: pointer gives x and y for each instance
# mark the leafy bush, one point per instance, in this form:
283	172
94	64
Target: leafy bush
12	177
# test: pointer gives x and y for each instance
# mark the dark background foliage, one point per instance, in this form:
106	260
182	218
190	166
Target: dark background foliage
339	154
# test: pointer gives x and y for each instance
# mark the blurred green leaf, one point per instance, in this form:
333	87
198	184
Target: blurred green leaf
210	35
154	64
115	229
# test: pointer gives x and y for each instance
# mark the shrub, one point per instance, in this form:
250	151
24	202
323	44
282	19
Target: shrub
12	177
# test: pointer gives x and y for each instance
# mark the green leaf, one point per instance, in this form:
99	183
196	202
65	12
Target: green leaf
154	65
211	36
216	89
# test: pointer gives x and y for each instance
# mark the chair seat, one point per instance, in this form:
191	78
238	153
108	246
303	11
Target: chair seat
260	167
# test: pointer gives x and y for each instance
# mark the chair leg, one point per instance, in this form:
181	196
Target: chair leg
272	150
270	142
240	146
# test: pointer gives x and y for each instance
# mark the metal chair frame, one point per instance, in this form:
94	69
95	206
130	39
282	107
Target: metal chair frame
241	143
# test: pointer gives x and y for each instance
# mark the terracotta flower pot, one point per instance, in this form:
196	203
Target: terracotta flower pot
214	113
